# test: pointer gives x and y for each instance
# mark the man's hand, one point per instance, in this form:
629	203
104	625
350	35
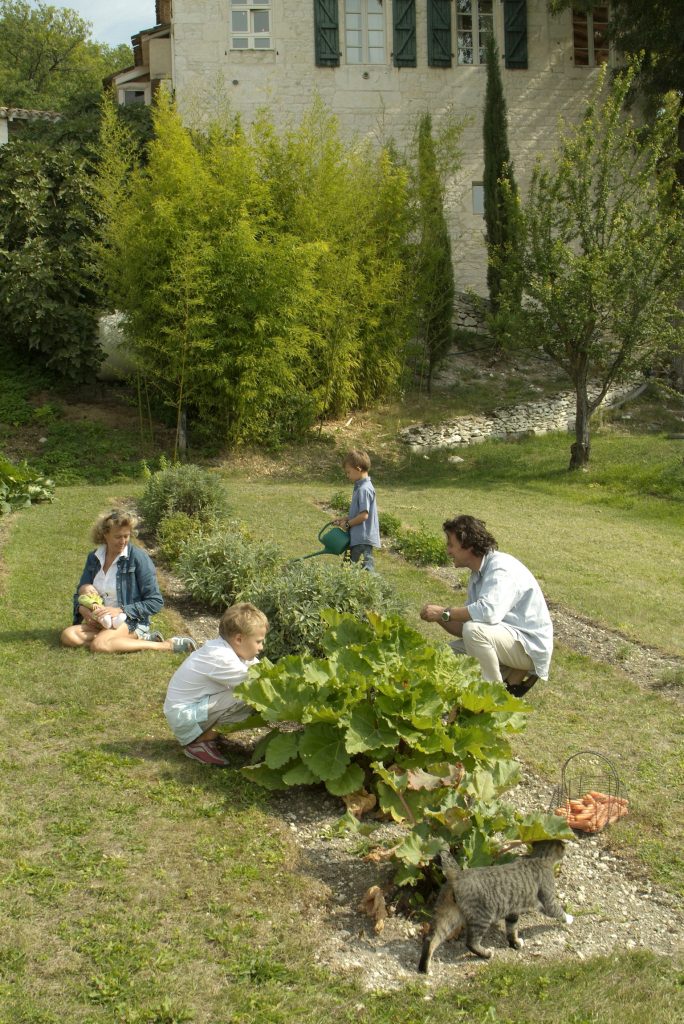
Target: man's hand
431	612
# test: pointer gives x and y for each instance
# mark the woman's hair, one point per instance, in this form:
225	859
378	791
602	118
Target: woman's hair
470	533
116	517
357	459
242	618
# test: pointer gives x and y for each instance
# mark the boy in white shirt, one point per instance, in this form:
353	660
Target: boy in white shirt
200	694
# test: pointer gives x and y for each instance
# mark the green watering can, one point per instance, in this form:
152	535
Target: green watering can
335	541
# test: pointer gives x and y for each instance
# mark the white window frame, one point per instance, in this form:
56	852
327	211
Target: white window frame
366	28
253	38
144	87
591	36
476	31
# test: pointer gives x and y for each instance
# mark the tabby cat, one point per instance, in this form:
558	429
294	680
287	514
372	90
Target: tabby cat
477	897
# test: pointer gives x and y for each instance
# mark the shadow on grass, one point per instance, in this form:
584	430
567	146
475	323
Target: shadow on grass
49	637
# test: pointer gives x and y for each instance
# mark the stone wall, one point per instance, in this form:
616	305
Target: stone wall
528	418
382	101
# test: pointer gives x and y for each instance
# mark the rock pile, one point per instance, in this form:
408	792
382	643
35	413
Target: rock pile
522	420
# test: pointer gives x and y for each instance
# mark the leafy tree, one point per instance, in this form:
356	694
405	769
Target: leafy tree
501	218
434	279
265	264
602	251
353	202
48	288
47	58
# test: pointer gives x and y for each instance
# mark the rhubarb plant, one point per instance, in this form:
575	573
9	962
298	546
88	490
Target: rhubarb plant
385	713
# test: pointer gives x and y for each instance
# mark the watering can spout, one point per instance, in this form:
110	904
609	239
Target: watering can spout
335	541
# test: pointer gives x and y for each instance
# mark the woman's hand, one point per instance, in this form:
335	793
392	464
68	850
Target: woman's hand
102	609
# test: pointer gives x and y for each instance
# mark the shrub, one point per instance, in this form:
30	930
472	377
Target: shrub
390	525
422	547
225	566
173	533
294	598
182	488
21	486
339	502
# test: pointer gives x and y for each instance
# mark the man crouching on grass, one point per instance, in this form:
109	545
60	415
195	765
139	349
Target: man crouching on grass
505	623
200	694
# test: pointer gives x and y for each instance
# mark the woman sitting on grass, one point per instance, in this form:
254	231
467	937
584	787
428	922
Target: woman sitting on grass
125	578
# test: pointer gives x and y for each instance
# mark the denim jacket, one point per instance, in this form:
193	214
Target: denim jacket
137	590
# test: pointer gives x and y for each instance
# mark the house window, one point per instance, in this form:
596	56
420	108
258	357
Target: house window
250	25
132	96
590	37
474	19
364	32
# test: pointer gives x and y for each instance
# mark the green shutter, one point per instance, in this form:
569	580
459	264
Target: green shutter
515	33
404	33
439	33
326	33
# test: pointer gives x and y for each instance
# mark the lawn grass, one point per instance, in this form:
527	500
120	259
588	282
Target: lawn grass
138	888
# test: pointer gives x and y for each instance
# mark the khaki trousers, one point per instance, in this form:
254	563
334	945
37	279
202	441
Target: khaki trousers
493	646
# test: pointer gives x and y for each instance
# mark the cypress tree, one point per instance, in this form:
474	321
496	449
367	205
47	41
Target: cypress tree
499	184
435	274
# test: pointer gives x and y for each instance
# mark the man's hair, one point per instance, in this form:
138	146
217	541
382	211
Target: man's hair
357	459
117	517
242	618
471	533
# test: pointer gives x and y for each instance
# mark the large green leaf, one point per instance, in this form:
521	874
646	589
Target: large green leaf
419	847
299	775
538	826
349	781
366	731
264	776
322	749
281	749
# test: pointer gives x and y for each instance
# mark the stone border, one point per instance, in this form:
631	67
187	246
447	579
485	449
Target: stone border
524	420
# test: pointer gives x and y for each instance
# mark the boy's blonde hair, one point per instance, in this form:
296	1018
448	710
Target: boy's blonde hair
242	618
116	517
358	460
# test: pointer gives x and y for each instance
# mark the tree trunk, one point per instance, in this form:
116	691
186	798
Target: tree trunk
579	451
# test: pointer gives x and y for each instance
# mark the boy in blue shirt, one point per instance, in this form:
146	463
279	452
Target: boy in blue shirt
362	520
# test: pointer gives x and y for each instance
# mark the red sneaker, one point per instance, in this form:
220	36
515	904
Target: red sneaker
206	752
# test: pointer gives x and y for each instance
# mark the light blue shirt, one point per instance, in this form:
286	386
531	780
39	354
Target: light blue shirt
504	591
363	500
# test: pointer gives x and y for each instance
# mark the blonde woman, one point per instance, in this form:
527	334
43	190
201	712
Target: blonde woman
124	576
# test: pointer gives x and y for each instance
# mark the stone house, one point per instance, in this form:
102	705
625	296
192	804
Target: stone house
380	64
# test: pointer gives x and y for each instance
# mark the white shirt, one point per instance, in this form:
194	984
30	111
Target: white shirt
105	583
505	591
214	668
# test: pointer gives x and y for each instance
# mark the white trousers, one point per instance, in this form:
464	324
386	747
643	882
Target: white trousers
493	646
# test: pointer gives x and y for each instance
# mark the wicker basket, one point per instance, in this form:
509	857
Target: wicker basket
590	795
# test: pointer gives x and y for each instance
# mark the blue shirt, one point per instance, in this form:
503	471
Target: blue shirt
504	591
363	500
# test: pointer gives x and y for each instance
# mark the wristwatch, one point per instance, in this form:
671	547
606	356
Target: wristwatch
446	615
